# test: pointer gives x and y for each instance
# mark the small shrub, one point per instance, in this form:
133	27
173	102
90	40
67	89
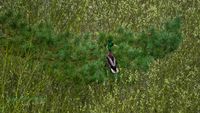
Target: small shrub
81	57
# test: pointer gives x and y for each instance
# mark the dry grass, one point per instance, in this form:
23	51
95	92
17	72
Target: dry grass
171	86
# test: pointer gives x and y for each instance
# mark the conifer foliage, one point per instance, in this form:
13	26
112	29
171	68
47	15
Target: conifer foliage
82	57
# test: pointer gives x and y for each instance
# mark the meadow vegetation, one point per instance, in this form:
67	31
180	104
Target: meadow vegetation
53	56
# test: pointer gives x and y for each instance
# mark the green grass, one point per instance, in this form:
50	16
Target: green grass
33	76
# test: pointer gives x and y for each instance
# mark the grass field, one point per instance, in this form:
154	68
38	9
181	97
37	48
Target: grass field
32	80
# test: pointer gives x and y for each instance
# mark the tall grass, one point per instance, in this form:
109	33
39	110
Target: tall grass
171	84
